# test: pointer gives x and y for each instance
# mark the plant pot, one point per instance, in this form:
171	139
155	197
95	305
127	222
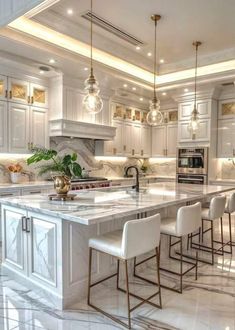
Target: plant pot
62	184
15	177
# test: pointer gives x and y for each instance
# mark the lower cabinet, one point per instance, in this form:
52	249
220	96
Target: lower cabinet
30	244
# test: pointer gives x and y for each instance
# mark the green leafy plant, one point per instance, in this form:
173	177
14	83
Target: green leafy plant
65	165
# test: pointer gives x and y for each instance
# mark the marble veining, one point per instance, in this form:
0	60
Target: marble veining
100	205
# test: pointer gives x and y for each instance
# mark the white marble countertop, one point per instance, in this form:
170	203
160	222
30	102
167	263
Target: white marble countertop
99	205
223	181
143	177
29	184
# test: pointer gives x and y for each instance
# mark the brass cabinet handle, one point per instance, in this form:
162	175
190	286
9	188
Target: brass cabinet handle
10	94
23	220
6	93
32	99
142	152
114	151
166	152
124	148
133	152
28	99
28	225
31	145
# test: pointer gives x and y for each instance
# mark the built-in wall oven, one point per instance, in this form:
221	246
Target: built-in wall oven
192	165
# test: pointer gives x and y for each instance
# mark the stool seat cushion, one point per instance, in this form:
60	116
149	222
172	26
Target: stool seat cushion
110	243
168	226
205	213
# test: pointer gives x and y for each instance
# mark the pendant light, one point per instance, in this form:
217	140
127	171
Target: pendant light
92	102
194	121
154	116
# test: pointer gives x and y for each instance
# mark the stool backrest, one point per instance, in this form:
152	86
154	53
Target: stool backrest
217	206
231	203
140	236
188	219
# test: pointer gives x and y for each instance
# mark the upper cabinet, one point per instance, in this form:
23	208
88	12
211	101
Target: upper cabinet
227	109
18	91
186	108
3	87
202	134
226	138
38	95
164	140
3	126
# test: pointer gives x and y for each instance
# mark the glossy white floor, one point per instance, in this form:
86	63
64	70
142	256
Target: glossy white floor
208	303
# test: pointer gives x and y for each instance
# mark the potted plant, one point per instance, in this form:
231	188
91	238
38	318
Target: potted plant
64	167
15	172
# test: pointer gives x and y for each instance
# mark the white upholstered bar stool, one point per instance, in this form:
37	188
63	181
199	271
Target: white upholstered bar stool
214	212
138	237
229	209
188	220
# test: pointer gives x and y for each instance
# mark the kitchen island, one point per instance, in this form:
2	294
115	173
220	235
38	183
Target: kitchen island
45	243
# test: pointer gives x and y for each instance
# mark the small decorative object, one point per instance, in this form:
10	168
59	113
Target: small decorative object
173	115
137	115
128	113
66	167
228	108
15	172
144	116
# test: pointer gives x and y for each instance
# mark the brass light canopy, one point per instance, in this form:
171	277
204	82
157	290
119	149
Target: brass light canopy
92	102
194	121
154	116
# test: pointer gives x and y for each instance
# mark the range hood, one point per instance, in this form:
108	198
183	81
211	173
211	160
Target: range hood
79	129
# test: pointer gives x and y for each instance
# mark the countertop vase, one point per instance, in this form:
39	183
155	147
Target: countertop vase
15	177
62	184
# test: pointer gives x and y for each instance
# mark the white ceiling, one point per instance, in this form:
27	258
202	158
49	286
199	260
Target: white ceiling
210	21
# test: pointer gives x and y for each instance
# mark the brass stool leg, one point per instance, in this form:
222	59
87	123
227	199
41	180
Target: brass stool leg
222	234
118	266
127	295
89	276
212	242
181	265
230	233
158	275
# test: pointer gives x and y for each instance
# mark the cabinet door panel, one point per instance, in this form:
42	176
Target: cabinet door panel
118	140
39	128
226	137
39	95
18	90
3	126
136	138
203	133
185	110
204	108
3	87
18	127
158	141
145	141
14	240
42	250
172	132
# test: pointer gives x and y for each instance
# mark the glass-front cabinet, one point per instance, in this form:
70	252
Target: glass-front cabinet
39	95
3	87
18	91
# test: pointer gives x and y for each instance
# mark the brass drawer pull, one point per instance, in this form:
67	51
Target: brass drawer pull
133	152
10	94
32	99
114	151
6	93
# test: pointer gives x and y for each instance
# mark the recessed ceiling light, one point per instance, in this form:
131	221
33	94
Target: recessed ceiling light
186	90
161	60
85	69
134	88
164	93
125	85
41	72
51	60
141	99
70	11
149	54
137	47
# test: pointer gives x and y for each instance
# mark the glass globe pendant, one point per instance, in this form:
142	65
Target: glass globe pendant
92	102
193	125
154	116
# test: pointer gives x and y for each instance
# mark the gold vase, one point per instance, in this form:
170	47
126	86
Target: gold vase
62	184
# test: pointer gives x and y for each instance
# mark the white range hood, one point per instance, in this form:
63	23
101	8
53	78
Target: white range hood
79	129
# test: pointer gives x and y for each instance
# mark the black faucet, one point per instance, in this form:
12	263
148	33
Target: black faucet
137	185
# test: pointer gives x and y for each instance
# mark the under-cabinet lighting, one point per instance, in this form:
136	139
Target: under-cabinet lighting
14	156
160	159
111	159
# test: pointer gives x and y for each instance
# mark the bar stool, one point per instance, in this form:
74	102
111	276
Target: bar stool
188	220
214	212
229	209
138	237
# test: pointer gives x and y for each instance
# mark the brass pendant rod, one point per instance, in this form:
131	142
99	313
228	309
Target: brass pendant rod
196	44
155	59
91	58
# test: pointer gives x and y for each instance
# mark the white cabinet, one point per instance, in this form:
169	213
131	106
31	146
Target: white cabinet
146	143
227	109
39	127
3	126
202	134
18	90
14	240
127	139
118	140
226	138
38	95
3	87
203	107
164	140
31	245
18	128
172	138
159	141
136	139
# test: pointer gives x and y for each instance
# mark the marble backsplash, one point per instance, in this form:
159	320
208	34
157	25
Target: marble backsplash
226	169
85	149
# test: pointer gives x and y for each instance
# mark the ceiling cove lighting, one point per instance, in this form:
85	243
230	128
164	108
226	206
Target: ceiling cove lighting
92	102
194	121
46	34
154	116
